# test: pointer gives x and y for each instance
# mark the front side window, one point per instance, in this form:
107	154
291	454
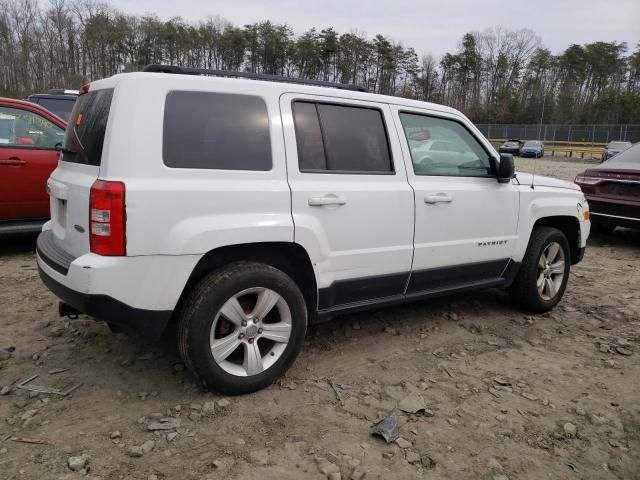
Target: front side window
25	129
341	138
216	131
445	148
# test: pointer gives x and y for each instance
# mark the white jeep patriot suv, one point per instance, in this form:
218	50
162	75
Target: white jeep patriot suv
245	208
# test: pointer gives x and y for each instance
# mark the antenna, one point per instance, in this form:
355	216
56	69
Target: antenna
535	160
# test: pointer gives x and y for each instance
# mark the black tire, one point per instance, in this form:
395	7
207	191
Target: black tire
524	290
603	228
204	303
115	328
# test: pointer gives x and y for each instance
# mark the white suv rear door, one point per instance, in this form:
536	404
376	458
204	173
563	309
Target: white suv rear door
351	204
466	222
70	184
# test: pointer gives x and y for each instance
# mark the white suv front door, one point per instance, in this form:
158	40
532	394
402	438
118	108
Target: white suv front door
351	203
466	222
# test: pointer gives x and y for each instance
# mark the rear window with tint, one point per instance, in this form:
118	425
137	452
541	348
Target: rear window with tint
216	131
341	139
84	137
60	106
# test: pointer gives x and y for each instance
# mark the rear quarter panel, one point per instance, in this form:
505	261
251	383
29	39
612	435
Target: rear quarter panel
176	211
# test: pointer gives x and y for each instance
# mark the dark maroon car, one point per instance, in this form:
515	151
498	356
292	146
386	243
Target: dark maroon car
613	191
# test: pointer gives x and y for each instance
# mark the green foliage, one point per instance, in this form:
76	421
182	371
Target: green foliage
496	76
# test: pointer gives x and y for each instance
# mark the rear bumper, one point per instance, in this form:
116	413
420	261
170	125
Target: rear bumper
617	220
102	307
136	292
621	212
53	255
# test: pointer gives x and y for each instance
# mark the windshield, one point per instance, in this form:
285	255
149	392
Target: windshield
86	128
511	144
532	143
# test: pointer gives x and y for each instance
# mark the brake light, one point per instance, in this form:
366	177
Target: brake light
107	218
83	89
584	180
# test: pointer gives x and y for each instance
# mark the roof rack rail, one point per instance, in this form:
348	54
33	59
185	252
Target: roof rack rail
255	76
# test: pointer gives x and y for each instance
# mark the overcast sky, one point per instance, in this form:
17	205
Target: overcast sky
427	25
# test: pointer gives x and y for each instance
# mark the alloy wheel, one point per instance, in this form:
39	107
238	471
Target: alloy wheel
250	332
551	271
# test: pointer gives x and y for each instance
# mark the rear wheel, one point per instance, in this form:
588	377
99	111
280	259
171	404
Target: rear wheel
544	272
242	327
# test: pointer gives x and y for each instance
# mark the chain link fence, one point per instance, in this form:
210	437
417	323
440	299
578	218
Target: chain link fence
579	134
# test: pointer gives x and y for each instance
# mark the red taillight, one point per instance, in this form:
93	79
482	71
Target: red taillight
83	89
107	218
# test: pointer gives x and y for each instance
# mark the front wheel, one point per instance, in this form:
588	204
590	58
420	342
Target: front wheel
544	272
242	327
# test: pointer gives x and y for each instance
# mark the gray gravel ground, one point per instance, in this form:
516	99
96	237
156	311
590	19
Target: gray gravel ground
506	395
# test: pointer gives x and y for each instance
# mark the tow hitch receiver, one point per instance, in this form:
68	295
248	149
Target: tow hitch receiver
66	310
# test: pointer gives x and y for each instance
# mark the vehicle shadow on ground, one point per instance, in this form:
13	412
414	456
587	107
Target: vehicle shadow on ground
471	310
624	238
18	244
127	351
480	305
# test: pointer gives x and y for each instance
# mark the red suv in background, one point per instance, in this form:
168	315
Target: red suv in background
29	138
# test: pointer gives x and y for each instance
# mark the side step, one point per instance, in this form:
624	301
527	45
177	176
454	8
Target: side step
17	227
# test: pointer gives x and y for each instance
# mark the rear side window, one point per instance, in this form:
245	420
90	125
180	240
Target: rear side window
341	138
84	137
216	131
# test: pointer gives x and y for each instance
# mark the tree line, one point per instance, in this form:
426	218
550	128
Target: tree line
494	76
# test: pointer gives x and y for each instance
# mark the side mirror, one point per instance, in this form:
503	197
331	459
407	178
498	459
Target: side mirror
506	168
